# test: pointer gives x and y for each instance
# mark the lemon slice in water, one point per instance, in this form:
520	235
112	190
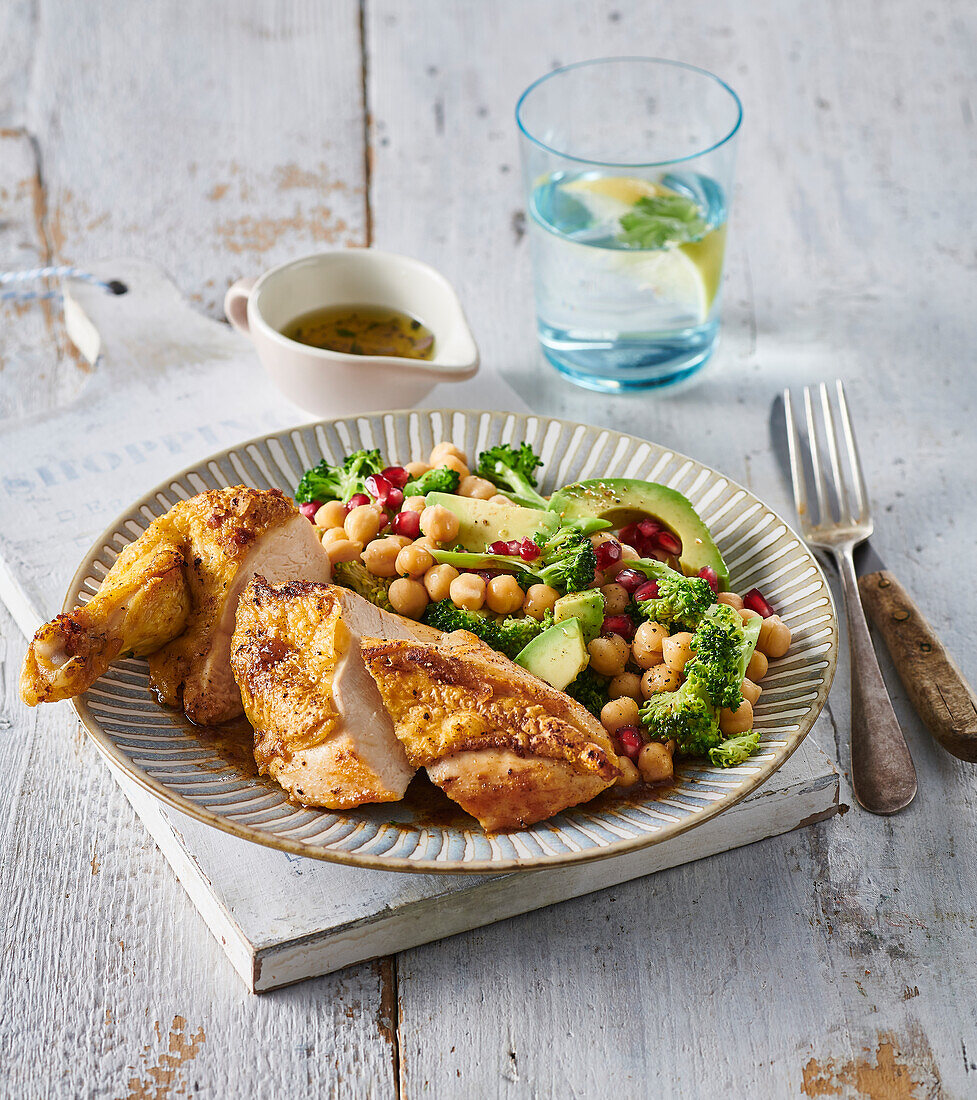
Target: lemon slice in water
685	276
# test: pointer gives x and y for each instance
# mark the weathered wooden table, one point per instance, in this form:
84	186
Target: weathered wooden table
218	138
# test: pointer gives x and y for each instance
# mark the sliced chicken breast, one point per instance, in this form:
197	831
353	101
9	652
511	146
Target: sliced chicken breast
321	729
504	745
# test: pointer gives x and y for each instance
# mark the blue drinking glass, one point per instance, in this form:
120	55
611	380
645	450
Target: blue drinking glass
628	169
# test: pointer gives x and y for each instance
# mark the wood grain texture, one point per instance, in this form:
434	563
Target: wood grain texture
834	962
941	696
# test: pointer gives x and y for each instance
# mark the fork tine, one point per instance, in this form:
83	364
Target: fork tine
812	442
853	460
841	489
796	462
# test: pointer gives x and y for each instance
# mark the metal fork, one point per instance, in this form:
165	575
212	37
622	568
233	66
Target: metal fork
882	772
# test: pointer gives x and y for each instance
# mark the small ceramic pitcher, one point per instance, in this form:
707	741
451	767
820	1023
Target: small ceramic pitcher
332	383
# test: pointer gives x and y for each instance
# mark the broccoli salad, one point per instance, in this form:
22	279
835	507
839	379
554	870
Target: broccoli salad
611	590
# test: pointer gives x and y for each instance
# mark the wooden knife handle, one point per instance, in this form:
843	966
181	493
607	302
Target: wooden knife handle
942	697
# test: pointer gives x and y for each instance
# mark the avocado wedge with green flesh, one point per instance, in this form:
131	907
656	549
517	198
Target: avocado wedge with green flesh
482	522
558	655
623	500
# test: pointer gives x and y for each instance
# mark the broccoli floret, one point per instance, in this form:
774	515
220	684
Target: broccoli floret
512	471
686	715
723	645
441	480
590	689
566	561
734	750
508	636
681	601
325	482
355	575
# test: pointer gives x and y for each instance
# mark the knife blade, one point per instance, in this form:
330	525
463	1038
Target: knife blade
937	688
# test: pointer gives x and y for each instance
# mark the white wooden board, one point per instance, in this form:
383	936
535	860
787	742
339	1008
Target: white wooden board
279	918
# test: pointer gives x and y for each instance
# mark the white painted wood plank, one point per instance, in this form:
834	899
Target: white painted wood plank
214	139
807	963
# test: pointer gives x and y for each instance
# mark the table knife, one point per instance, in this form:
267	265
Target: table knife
937	688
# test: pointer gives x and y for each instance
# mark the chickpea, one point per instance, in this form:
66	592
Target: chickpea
746	614
629	773
503	595
401	540
417	469
500	499
647	645
751	691
476	487
616	599
618	713
775	639
335	534
453	463
414	504
655	762
609	655
408	597
426	543
539	599
438	580
380	557
677	650
439	524
730	599
331	514
736	721
444	450
362	523
659	678
625	685
413	561
628	553
757	668
343	550
467	590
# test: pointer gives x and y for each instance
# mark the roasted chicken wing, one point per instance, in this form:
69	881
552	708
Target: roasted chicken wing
320	727
172	596
504	745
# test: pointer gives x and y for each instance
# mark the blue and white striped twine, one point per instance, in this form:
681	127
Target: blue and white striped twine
34	274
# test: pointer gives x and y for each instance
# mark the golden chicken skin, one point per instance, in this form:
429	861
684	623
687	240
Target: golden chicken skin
172	596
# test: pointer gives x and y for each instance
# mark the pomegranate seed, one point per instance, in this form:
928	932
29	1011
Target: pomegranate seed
618	624
396	475
309	509
499	547
408	524
668	542
395	498
356	500
630	580
630	534
528	550
649	528
754	600
384	522
707	573
378	486
512	547
648	591
607	553
629	738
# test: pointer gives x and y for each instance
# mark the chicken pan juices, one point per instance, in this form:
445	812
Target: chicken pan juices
526	652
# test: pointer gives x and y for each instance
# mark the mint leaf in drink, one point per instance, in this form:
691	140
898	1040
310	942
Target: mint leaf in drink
658	220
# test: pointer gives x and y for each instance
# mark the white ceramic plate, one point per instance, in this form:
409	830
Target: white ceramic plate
210	774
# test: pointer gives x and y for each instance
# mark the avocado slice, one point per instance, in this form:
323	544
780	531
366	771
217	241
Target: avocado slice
586	607
558	655
482	522
622	500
